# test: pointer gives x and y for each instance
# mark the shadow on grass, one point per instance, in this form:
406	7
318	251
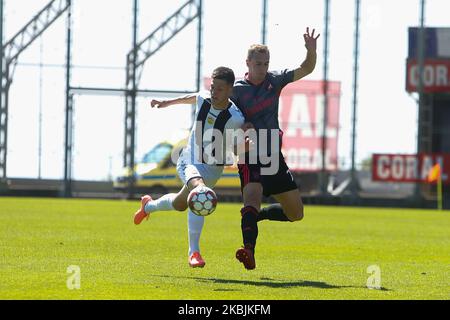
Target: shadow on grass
271	283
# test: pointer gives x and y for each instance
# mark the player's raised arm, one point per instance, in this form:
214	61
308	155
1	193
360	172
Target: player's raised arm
190	98
311	56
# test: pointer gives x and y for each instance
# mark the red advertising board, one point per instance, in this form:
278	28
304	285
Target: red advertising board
408	167
301	116
436	75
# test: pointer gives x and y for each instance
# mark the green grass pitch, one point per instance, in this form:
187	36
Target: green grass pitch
325	256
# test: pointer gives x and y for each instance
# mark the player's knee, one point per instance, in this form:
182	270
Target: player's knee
252	200
297	214
180	205
195	182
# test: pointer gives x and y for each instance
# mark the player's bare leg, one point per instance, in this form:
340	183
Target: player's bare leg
252	195
292	204
195	182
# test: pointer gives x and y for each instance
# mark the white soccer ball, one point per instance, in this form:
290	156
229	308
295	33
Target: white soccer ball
202	201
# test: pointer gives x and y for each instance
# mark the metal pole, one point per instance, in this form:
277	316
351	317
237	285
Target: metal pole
421	62
421	108
1	45
264	23
323	182
5	97
354	179
68	120
2	152
41	50
199	55
133	103
199	45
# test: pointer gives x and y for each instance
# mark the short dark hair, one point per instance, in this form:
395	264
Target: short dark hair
224	73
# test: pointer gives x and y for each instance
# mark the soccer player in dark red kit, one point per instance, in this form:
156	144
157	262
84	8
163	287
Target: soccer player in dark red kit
257	95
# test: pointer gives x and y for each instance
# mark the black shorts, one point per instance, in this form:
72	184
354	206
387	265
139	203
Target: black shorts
280	182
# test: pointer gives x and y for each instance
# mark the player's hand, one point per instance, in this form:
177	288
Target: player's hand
159	103
310	41
249	144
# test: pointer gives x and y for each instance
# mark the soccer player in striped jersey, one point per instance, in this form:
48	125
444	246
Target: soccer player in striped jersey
199	164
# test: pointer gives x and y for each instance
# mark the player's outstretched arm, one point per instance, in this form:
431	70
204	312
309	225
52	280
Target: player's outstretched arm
190	98
311	56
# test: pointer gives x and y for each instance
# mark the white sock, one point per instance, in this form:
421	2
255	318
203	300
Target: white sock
162	204
195	226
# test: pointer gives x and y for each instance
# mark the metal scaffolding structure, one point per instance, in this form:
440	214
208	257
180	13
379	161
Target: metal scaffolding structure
10	53
136	58
140	53
142	50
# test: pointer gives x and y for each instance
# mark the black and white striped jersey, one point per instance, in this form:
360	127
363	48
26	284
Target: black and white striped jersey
209	139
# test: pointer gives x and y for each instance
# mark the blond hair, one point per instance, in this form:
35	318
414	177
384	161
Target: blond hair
256	48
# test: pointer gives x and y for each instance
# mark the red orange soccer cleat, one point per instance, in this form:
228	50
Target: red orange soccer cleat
196	260
247	257
140	214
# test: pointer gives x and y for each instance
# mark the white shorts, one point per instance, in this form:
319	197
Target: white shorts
187	171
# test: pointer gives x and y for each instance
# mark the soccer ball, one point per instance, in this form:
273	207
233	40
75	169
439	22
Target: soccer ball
202	201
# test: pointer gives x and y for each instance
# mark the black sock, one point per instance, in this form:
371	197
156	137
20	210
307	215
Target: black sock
273	212
249	227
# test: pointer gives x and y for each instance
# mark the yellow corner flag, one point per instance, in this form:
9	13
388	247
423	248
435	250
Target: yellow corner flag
436	175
